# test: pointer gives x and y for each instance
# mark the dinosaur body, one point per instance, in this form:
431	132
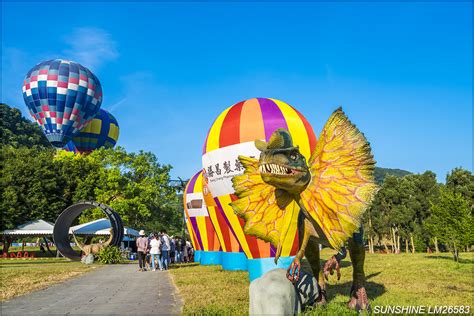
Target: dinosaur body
93	248
328	196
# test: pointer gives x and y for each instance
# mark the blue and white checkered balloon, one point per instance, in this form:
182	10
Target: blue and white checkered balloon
63	97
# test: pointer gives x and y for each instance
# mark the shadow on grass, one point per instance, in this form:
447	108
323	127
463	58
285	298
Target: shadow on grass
373	289
461	260
183	265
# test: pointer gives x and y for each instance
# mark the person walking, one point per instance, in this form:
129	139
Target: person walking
155	252
180	249
142	246
184	250
165	248
172	250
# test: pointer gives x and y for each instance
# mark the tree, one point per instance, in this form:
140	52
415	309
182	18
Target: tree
451	221
30	187
398	210
17	131
461	181
134	185
40	183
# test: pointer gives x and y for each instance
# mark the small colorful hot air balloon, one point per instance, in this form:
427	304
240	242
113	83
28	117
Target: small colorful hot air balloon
62	97
232	134
102	131
200	227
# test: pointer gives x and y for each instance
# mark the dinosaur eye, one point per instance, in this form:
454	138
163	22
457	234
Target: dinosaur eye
293	156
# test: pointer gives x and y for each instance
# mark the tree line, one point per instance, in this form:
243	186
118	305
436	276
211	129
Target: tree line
410	212
415	213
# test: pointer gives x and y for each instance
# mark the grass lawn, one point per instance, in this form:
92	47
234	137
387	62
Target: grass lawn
20	276
37	252
404	279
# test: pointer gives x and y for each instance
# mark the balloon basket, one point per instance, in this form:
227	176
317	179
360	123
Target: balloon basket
210	258
197	255
234	261
258	267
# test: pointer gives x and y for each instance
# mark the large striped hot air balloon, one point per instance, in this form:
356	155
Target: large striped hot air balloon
62	97
102	131
232	134
198	221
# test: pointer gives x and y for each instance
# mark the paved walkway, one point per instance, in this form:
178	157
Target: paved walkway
115	289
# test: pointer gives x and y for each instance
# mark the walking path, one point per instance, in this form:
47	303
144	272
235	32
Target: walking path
115	289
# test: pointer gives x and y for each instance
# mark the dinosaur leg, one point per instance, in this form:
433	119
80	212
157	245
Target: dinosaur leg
359	300
313	256
293	273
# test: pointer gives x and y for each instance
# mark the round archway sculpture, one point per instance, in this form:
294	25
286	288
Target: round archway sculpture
67	217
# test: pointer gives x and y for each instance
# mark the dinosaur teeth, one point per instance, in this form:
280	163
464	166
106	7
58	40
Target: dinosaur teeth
275	169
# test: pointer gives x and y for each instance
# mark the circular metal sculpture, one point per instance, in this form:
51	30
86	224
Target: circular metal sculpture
65	220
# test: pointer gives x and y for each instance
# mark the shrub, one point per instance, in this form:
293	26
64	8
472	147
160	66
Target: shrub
110	255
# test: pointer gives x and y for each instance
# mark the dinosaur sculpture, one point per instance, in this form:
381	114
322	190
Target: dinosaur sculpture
332	193
93	248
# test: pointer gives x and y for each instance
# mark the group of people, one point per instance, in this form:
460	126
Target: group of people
159	250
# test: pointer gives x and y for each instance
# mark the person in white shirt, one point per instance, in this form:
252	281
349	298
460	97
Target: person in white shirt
155	252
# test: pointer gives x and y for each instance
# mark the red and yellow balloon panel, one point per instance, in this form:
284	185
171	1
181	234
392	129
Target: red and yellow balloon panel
198	221
233	133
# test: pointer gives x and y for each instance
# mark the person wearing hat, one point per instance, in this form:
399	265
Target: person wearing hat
142	247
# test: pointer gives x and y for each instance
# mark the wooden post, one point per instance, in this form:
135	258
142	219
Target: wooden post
436	244
412	243
394	241
398	244
47	246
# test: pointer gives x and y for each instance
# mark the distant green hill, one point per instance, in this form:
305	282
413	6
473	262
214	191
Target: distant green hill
381	173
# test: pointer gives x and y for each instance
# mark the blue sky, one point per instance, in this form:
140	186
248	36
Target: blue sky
401	71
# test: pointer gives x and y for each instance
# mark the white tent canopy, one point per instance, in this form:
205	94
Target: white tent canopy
99	227
37	227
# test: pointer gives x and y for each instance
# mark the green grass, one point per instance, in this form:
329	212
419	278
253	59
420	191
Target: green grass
37	252
20	276
210	290
404	279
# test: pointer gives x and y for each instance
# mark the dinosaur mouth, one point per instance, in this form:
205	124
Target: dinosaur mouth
278	169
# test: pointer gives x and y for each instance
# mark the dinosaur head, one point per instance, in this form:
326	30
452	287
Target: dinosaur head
281	164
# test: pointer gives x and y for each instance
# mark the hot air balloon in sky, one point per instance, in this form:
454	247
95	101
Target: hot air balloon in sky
102	131
62	97
232	134
199	224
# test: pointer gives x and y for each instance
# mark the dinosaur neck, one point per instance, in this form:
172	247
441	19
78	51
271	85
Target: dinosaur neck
109	240
321	237
81	246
